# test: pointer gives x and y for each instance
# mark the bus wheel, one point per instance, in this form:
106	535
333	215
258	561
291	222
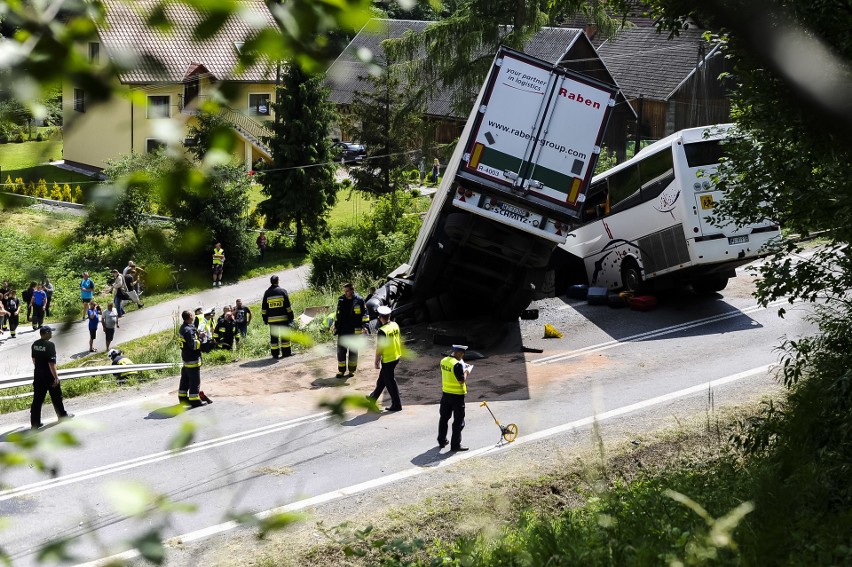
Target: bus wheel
710	285
631	276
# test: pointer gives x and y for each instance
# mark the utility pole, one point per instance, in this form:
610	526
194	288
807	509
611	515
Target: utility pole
638	139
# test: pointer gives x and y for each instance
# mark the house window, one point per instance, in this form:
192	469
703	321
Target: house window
259	104
152	145
158	106
94	52
79	100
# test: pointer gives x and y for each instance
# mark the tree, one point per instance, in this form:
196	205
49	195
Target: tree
456	52
300	180
387	121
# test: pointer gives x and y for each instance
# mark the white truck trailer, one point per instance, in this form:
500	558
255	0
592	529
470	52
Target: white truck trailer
513	189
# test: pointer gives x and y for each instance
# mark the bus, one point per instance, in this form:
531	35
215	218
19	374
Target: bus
645	222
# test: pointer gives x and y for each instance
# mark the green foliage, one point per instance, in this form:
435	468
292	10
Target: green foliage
387	120
300	181
380	242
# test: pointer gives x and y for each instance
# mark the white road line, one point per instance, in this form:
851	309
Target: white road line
654	334
157	457
412	472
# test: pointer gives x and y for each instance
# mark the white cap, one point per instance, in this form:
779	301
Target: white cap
210	311
384	310
459	347
113	353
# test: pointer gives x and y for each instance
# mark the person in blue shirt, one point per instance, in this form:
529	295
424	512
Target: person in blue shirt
94	316
87	289
38	302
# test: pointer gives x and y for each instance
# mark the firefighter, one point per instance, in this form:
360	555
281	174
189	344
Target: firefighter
225	332
190	372
350	319
117	358
13	307
278	314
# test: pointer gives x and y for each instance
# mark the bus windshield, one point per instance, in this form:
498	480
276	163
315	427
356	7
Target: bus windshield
703	153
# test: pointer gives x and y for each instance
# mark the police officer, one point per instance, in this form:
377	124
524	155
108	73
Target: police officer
278	314
388	352
45	378
350	319
206	329
454	373
119	359
190	372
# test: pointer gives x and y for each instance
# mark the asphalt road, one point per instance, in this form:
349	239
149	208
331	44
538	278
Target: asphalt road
72	340
256	453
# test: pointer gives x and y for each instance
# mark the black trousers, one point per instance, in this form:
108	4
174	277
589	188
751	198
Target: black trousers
451	405
13	324
388	380
41	387
279	340
38	316
190	384
342	351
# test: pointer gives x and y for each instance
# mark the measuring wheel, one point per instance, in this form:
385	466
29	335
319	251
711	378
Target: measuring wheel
510	432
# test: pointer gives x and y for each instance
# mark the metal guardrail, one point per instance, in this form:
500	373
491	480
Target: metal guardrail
72	373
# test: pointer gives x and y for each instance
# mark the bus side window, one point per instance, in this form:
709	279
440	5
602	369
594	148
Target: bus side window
624	189
597	201
656	172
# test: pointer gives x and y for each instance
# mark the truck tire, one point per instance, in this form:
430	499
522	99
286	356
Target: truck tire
631	276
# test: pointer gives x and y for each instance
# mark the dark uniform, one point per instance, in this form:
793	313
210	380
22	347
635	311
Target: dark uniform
278	314
4	319
120	360
389	349
225	333
13	304
454	388
27	296
350	319
44	354
190	372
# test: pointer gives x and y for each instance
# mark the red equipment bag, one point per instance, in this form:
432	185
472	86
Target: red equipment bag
643	302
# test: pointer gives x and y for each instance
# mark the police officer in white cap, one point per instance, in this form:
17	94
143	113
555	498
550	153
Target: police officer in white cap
454	373
388	353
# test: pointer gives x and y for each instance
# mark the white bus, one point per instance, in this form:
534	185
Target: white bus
647	219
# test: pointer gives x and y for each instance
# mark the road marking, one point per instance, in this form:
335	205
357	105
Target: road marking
654	334
370	485
157	457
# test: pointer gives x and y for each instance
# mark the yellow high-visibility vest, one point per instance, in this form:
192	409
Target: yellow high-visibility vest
449	383
217	252
391	344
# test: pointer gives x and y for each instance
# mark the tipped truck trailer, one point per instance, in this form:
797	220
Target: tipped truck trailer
512	190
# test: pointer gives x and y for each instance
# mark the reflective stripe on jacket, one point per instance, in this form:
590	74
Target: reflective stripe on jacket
389	343
449	382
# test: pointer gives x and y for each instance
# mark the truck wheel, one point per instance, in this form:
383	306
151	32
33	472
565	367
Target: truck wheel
631	276
710	284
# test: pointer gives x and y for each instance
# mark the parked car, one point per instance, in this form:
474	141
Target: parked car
348	152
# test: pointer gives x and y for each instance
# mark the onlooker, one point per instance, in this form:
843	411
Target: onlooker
87	289
218	264
435	170
388	353
135	272
13	308
94	319
27	299
4	291
261	244
38	301
109	320
3	314
120	290
421	167
242	318
45	378
131	283
48	289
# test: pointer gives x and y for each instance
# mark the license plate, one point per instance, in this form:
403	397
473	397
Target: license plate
514	210
738	239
